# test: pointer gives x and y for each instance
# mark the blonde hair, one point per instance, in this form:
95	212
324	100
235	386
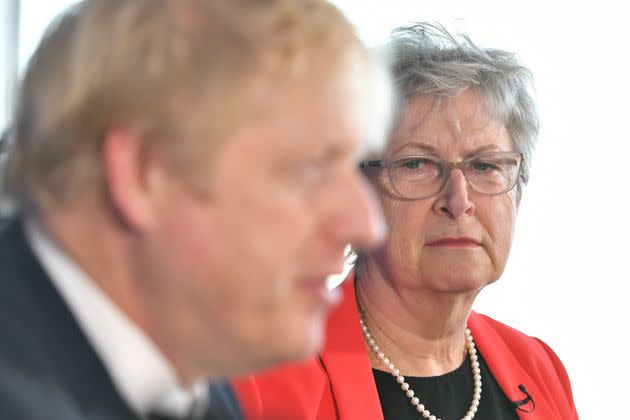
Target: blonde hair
175	70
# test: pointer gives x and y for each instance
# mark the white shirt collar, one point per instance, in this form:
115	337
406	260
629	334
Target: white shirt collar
142	374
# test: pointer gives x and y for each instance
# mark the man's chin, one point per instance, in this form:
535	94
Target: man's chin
304	344
293	342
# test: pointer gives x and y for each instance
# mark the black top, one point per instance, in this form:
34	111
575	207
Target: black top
448	396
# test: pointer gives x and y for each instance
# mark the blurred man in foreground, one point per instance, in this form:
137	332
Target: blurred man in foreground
186	178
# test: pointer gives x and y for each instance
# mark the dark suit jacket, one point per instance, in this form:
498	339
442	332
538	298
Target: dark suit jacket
48	369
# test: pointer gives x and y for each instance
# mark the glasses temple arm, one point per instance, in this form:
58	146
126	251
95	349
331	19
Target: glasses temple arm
371	164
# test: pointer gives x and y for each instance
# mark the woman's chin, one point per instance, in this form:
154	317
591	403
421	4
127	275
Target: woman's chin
456	280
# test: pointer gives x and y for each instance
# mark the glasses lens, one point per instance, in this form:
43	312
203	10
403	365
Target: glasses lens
494	173
416	176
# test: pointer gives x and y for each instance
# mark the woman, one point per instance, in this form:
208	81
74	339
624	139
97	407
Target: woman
405	343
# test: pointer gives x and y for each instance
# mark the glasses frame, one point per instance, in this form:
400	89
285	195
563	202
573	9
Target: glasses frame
449	166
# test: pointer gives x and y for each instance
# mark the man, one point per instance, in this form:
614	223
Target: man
187	181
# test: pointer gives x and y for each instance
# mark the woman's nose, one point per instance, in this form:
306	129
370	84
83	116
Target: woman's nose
453	200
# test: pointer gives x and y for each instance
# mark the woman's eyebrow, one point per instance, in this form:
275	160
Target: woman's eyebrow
427	148
417	146
482	149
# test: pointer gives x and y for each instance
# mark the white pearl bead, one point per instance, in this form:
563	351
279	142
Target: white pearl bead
415	401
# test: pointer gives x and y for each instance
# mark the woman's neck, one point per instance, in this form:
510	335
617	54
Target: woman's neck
422	332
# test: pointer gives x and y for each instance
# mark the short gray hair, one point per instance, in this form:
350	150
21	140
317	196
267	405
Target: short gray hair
428	60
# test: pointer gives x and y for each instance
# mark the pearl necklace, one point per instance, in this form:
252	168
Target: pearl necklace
472	353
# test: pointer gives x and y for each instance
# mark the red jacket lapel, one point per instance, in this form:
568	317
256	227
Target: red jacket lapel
346	361
508	366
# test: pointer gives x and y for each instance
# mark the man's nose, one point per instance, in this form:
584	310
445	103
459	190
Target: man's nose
359	220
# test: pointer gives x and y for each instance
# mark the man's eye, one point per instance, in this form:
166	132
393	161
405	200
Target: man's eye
319	171
312	171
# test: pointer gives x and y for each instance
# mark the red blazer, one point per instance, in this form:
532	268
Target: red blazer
338	384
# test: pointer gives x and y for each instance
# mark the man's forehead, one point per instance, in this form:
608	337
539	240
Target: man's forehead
331	109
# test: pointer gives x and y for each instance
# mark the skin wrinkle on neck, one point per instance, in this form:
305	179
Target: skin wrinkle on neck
412	352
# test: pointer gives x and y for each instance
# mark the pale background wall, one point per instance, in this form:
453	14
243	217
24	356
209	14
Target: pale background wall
567	278
8	57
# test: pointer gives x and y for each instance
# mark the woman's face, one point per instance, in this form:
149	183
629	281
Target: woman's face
457	240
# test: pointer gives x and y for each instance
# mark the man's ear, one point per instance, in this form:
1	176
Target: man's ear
127	178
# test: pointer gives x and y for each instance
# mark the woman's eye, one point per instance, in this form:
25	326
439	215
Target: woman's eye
412	164
482	166
416	163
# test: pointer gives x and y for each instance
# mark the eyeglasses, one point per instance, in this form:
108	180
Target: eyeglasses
418	177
